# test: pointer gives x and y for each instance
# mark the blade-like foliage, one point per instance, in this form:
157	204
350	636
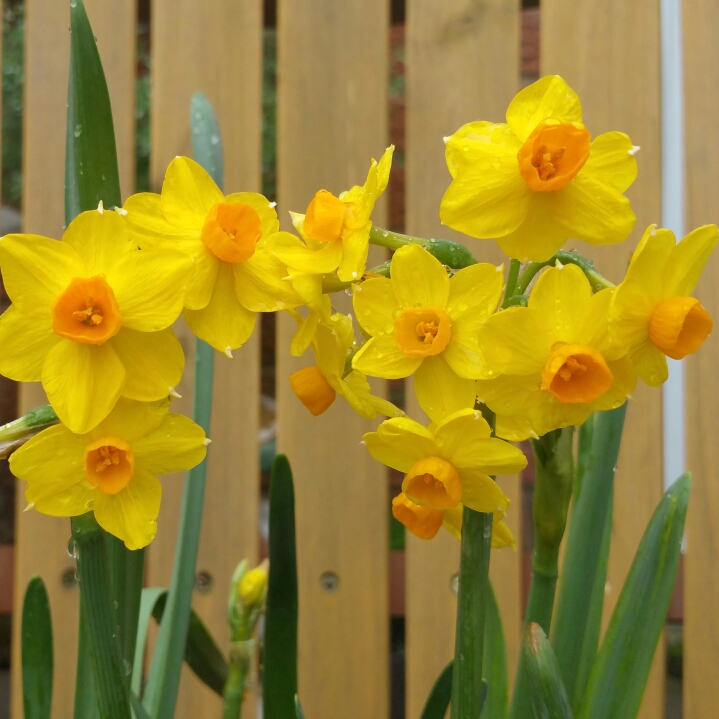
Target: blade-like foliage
37	651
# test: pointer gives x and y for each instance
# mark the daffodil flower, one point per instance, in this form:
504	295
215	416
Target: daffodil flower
318	385
422	322
539	179
90	317
652	313
112	469
449	463
336	229
425	522
551	364
230	239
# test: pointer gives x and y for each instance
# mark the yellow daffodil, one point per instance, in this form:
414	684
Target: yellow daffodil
317	386
539	179
449	463
652	313
90	317
425	522
336	229
230	239
422	322
551	364
110	470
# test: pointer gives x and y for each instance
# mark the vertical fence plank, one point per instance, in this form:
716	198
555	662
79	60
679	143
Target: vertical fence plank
615	70
462	64
40	542
701	570
332	118
214	47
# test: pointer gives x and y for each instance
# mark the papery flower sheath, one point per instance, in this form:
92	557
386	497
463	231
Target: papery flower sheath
112	469
230	238
539	179
90	317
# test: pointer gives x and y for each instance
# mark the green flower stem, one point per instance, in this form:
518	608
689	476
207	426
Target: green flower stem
512	277
471	603
447	252
164	677
104	646
238	671
331	283
14	434
598	281
554	463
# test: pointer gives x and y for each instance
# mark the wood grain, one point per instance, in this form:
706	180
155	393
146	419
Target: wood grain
615	70
701	575
462	64
214	47
40	542
332	118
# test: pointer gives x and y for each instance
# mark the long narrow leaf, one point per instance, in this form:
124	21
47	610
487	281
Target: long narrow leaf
279	679
37	651
148	599
495	661
548	696
438	700
206	144
617	681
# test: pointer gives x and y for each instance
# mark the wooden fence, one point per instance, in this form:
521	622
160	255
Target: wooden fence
462	63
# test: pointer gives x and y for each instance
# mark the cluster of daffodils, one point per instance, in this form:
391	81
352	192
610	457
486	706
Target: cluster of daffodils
91	318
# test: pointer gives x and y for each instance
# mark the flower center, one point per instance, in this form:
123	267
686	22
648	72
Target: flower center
433	482
312	389
679	326
87	311
231	231
553	155
423	522
576	374
325	217
422	332
109	464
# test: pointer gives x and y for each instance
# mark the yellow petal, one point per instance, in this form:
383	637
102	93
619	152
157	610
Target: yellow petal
383	167
36	270
262	206
101	239
224	323
687	261
611	158
302	258
202	282
375	305
330	351
480	492
82	382
592	211
513	428
452	521
188	194
69	497
355	249
130	514
516	341
625	380
650	364
153	363
131	419
501	534
53	454
418	278
507	394
356	390
150	287
176	445
561	296
263	285
545	413
462	353
400	442
474	293
548	97
594	328
440	392
306	329
381	357
26	342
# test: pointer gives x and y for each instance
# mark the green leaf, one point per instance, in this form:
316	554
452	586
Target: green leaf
85	695
548	696
438	700
148	599
137	707
91	160
620	672
279	678
206	142
495	661
583	554
37	651
299	714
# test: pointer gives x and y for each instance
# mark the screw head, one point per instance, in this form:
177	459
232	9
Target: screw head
330	582
68	578
203	582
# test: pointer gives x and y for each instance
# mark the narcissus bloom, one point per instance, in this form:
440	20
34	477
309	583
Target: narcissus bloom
551	364
448	463
422	322
652	313
336	229
539	179
112	469
425	522
230	239
317	386
90	317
